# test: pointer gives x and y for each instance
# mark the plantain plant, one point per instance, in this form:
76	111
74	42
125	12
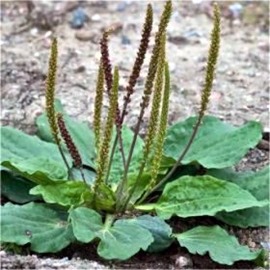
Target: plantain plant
107	184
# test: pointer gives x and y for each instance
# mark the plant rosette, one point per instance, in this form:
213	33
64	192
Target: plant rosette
110	186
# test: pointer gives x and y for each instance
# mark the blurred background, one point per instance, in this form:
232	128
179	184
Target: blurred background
241	87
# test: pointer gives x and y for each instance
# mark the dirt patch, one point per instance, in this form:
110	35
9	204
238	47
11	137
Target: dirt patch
241	88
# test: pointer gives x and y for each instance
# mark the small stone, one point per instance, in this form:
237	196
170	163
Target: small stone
80	69
84	35
96	18
79	17
183	262
264	46
34	31
121	6
235	9
125	40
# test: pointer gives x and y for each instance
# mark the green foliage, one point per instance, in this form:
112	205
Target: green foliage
18	146
117	170
222	247
118	241
160	230
257	183
217	144
68	193
39	170
47	230
15	188
96	197
81	134
205	195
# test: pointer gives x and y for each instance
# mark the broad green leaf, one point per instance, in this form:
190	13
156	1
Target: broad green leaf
69	193
191	196
160	230
86	223
222	247
257	183
216	145
18	146
16	188
81	134
45	229
39	170
121	241
117	168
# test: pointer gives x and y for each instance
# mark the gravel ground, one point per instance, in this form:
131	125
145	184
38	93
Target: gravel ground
33	262
240	90
240	93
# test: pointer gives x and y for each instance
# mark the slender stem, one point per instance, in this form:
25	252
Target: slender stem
121	147
132	80
65	160
82	174
115	144
123	182
173	169
111	158
134	186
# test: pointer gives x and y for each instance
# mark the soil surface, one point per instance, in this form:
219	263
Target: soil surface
240	92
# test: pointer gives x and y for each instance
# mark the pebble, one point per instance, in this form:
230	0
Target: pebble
236	9
125	40
192	33
183	262
34	31
122	5
84	35
79	17
96	18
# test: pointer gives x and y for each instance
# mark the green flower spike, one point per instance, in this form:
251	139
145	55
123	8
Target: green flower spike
209	77
98	105
50	97
154	116
106	63
161	132
155	110
50	92
212	60
103	154
165	17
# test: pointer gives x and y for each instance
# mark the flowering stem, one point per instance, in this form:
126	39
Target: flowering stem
50	98
105	60
209	77
146	95
147	28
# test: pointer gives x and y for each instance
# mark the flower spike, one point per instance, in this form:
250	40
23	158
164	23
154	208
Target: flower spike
211	62
103	155
50	97
77	160
50	92
98	105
